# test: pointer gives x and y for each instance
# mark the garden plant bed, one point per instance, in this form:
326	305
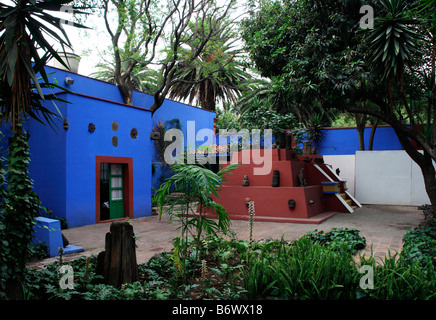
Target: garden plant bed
316	266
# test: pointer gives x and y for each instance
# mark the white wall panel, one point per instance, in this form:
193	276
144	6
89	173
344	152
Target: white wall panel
388	177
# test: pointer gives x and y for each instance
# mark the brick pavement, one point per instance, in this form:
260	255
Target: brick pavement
382	226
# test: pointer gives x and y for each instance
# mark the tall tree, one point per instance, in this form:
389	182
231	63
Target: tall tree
135	36
144	27
212	18
217	73
143	79
386	72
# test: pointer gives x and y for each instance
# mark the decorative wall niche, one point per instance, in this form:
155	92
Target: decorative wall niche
91	127
114	126
115	141
134	133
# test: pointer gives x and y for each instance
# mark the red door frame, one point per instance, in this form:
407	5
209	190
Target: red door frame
128	184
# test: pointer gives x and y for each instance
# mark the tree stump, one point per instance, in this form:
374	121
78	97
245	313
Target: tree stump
118	262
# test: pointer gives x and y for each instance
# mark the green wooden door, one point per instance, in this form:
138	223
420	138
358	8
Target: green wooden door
116	191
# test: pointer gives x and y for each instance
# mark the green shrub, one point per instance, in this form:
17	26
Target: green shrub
419	245
196	185
237	269
301	270
398	279
339	239
19	206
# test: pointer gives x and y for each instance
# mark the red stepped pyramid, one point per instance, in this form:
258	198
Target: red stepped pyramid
324	195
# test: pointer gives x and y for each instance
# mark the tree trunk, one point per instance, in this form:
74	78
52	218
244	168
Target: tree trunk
118	262
425	162
124	85
371	137
207	95
429	174
360	127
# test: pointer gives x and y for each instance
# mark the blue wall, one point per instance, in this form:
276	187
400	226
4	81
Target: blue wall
47	161
83	147
345	140
170	110
63	162
96	88
175	110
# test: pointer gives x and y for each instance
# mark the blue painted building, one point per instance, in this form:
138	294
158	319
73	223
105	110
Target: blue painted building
97	165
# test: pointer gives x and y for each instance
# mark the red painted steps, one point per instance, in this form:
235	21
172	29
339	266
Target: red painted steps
312	205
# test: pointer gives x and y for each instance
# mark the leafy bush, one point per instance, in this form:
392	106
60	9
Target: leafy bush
339	239
419	246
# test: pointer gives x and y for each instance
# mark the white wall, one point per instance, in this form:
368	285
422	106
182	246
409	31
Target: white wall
388	177
346	164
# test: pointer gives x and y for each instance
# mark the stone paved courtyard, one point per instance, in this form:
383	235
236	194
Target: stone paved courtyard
382	226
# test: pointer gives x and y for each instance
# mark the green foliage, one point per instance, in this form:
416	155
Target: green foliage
399	279
309	52
260	114
419	246
227	120
218	72
18	213
393	41
339	239
143	79
300	270
237	269
196	185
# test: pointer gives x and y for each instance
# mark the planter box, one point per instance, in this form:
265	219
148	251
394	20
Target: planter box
48	231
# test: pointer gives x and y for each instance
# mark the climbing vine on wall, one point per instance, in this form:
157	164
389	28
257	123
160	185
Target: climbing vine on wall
19	208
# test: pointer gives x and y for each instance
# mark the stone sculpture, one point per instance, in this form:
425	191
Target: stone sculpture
245	182
302	179
291	203
276	179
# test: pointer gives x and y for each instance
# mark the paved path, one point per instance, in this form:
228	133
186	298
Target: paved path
382	226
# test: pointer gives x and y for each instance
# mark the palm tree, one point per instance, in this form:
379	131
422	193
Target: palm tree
215	74
144	80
